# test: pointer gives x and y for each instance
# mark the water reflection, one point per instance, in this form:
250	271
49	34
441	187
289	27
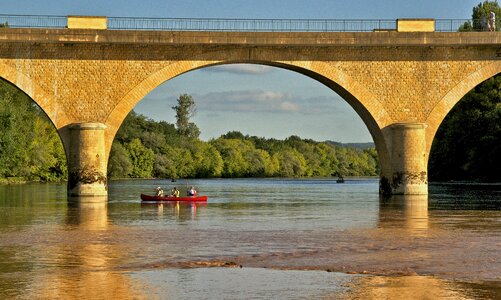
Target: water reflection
88	216
84	264
407	287
181	211
406	211
88	199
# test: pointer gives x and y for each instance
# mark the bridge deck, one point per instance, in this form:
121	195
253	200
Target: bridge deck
380	38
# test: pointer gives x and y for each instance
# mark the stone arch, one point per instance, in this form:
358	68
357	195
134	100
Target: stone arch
445	105
367	106
43	99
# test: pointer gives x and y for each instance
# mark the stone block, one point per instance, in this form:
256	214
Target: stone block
85	22
415	25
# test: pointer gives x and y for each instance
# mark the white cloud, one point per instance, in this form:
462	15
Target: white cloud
289	106
247	101
266	102
247	69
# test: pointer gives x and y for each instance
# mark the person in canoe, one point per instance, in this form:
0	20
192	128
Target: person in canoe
174	192
159	192
192	192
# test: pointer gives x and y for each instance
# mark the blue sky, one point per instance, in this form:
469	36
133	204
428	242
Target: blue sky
254	99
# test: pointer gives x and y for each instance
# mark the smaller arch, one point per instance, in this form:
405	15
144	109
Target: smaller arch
444	106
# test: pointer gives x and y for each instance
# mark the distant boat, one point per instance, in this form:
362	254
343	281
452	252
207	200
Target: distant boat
340	179
145	197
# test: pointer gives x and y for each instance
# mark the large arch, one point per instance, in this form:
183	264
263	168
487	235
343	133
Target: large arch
366	105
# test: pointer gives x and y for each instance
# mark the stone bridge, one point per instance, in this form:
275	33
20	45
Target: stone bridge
402	83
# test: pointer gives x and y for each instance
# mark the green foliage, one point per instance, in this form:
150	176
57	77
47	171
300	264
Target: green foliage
141	158
242	159
467	145
291	163
48	160
185	109
30	147
293	157
119	164
137	126
206	159
480	17
233	154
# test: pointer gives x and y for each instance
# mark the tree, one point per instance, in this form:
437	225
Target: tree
480	17
161	166
291	162
232	153
47	160
30	146
207	160
119	163
141	158
17	112
185	109
233	135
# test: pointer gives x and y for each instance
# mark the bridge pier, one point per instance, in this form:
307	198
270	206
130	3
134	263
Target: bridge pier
408	159
87	165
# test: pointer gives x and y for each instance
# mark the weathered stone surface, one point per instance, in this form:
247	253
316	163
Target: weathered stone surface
87	163
97	76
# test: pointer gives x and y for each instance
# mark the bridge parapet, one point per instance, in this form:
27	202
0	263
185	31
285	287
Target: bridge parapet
383	38
240	25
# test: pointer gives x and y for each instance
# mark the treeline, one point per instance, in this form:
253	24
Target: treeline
467	145
144	148
30	148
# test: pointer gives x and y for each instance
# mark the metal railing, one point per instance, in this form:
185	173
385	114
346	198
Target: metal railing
240	25
454	25
30	21
250	25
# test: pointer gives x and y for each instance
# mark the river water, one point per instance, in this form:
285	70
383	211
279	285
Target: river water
254	239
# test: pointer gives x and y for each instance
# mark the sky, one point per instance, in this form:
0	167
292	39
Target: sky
254	99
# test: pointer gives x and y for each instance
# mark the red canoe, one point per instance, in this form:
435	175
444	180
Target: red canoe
174	199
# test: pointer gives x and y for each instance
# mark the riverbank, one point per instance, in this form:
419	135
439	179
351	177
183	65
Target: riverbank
13	180
22	180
